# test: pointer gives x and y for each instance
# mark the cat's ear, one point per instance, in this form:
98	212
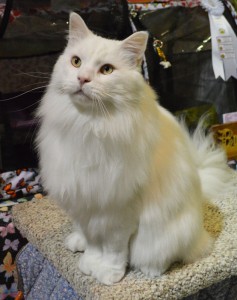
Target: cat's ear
135	46
77	28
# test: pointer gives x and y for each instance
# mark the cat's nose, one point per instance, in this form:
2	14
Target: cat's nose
83	80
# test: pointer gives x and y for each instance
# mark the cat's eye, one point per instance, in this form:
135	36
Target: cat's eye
76	61
106	69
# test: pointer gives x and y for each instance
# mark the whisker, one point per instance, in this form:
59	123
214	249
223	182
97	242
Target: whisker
35	83
27	92
106	110
21	109
97	105
97	101
93	105
33	74
34	132
106	94
36	72
103	109
97	95
34	126
100	107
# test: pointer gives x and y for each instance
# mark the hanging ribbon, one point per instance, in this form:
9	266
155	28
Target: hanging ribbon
224	41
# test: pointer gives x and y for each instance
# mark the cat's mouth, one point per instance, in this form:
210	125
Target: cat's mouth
81	96
79	92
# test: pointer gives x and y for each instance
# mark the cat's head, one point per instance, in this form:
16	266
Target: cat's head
94	70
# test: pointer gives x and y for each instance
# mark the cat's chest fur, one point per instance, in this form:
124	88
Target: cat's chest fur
94	165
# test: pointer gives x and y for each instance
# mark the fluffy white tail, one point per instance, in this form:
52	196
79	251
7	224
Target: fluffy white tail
216	176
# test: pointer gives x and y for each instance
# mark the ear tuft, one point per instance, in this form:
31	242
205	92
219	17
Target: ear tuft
135	45
77	27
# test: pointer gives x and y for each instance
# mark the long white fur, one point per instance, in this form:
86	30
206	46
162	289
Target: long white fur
125	170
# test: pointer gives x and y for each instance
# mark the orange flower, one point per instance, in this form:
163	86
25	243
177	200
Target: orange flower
9	191
8	265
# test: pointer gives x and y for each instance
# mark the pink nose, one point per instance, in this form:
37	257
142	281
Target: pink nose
83	80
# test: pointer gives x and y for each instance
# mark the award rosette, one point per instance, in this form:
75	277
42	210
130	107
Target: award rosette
224	41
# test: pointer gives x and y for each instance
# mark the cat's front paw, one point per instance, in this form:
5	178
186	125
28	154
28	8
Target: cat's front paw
92	263
110	274
75	242
89	262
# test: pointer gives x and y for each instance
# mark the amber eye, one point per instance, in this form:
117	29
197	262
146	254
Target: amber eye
76	61
106	69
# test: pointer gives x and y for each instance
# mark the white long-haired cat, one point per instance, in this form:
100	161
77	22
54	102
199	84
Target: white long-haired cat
126	171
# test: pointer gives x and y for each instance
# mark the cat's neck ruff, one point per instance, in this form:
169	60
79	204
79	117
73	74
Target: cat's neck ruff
102	120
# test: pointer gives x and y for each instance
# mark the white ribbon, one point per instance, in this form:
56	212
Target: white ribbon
224	41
